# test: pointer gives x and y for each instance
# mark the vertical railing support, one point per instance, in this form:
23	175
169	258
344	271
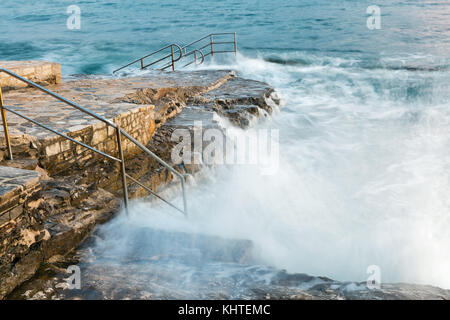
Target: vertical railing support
183	190
235	44
5	127
173	60
122	167
142	64
212	44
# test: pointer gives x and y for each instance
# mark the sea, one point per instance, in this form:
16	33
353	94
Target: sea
364	126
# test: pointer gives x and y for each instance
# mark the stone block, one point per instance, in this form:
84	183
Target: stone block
99	136
53	149
38	71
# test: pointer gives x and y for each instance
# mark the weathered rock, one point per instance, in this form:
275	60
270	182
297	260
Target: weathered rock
27	164
240	100
176	265
54	221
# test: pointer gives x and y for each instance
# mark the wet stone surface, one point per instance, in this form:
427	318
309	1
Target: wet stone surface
177	265
240	101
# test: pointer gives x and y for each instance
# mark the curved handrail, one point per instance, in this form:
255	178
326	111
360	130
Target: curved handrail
153	53
119	131
199	51
195	57
183	51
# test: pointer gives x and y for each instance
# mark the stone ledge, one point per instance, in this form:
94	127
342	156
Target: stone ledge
15	186
41	72
53	221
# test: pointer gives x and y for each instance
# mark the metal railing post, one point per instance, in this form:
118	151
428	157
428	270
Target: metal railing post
122	167
212	44
235	44
142	64
161	161
183	190
5	127
173	60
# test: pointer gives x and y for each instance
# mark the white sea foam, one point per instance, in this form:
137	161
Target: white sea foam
363	179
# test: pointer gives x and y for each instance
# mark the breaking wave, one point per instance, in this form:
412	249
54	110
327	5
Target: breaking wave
363	177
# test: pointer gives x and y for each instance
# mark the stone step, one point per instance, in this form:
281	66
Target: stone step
26	164
15	186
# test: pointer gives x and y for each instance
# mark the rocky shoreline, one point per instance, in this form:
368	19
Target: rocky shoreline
71	200
55	224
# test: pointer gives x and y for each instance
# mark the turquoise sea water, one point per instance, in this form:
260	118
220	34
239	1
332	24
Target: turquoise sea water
364	130
114	31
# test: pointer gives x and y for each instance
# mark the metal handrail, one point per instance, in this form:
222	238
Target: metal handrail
172	63
119	133
194	52
212	43
184	52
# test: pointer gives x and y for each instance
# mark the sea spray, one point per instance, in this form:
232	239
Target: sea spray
362	181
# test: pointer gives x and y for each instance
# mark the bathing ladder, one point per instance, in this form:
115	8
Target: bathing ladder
193	53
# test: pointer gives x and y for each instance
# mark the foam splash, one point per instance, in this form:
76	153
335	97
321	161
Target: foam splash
363	179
